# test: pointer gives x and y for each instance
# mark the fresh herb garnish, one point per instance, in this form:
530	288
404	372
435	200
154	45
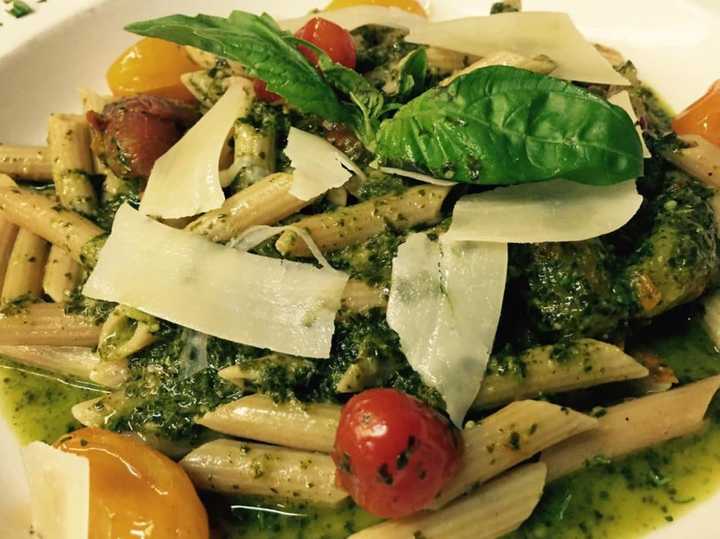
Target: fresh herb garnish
19	9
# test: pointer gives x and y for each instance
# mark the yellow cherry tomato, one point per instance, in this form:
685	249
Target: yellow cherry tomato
702	117
408	5
136	491
151	66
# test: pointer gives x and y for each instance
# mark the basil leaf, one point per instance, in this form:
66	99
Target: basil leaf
266	51
502	125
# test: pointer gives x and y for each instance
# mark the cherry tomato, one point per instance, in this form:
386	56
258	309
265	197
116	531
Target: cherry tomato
333	39
393	454
263	94
702	117
151	66
136	491
408	5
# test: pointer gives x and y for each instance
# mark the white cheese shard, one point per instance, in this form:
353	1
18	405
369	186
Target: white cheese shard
356	16
319	166
59	491
622	100
526	33
15	510
556	210
285	306
418	176
445	302
185	181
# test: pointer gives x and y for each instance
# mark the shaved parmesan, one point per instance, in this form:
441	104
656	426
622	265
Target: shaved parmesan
526	33
319	166
285	306
185	181
15	516
59	491
556	210
356	16
622	100
445	302
417	176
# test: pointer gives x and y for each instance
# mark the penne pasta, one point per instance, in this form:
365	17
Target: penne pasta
359	296
239	468
47	323
8	234
62	274
111	373
494	510
508	437
72	162
353	224
555	369
263	203
445	61
539	64
635	425
292	424
98	412
25	269
125	332
30	163
254	155
76	361
41	215
701	159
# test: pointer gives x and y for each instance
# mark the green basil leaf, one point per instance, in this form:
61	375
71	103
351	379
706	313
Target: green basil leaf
266	51
502	125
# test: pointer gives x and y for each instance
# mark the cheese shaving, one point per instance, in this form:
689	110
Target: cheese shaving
445	302
527	33
319	166
59	491
556	210
622	100
356	16
185	181
418	176
285	306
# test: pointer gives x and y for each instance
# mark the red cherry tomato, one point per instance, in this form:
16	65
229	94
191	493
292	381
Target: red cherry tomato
393	454
263	94
333	39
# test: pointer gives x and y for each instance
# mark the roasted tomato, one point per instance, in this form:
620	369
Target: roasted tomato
702	117
132	133
136	491
408	5
393	454
333	39
151	66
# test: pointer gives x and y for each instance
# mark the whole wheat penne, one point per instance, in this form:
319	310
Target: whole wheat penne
359	296
443	62
62	274
111	373
254	155
353	224
291	424
72	162
125	332
555	369
700	159
41	215
233	467
47	323
76	361
539	64
31	163
8	234
496	509
99	411
263	203
24	274
635	425
508	437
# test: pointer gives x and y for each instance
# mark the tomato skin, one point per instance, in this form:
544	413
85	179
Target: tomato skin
333	39
393	454
263	94
702	117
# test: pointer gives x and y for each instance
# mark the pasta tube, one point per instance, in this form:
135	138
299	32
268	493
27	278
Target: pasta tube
359	296
254	155
40	215
292	424
555	369
233	467
125	332
8	234
701	159
29	163
635	425
445	61
110	373
539	64
72	162
493	511
24	275
263	203
76	361
353	224
508	437
62	274
47	323
99	411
